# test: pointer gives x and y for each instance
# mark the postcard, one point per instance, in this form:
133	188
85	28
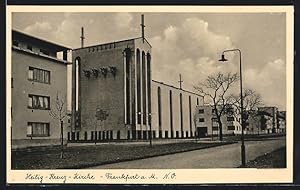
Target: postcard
149	94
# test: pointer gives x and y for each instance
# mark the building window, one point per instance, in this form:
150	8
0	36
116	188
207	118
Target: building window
39	75
159	106
197	101
77	86
85	135
201	119
229	110
144	83
44	51
29	47
171	113
15	43
38	102
127	83
149	85
201	111
92	135
215	128
230	118
181	114
231	127
138	83
38	129
214	119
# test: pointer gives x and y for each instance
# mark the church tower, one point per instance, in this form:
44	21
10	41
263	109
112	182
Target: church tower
111	90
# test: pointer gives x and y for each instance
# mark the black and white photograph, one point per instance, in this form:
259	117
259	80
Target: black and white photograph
142	89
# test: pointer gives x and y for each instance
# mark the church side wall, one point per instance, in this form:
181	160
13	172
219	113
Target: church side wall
171	118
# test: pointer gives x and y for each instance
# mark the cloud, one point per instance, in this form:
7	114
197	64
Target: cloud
38	27
269	81
180	44
123	20
191	49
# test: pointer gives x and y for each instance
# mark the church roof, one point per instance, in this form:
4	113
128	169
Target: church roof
114	42
176	88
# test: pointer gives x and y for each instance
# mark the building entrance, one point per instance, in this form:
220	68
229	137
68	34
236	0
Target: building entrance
202	131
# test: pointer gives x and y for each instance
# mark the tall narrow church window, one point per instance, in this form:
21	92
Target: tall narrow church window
171	114
77	75
144	86
149	84
127	88
181	114
197	101
138	76
159	107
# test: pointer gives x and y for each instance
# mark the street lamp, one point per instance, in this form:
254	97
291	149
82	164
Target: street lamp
223	59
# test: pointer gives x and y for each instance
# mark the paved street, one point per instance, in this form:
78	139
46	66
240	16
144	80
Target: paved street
227	156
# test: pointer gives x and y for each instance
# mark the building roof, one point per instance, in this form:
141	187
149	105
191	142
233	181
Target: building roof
34	40
281	114
114	42
176	88
25	51
264	113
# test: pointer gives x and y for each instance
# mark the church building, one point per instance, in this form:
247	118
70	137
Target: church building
114	96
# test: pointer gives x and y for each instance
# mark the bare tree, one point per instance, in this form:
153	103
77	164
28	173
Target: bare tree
59	113
216	88
251	102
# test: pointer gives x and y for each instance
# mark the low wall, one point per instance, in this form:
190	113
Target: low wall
26	143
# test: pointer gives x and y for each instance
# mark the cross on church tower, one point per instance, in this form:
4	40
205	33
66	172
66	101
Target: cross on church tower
143	27
82	37
180	81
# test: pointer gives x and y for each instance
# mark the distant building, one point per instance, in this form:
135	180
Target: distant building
281	121
259	122
266	120
207	125
37	75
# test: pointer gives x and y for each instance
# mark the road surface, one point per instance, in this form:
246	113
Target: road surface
227	156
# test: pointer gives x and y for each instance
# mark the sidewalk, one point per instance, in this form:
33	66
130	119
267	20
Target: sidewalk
92	155
227	156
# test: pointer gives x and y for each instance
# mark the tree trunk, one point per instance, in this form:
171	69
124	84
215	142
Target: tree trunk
220	131
62	140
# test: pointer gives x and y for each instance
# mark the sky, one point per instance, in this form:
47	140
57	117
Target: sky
189	44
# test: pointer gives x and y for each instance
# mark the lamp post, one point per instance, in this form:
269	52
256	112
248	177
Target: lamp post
212	128
223	59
